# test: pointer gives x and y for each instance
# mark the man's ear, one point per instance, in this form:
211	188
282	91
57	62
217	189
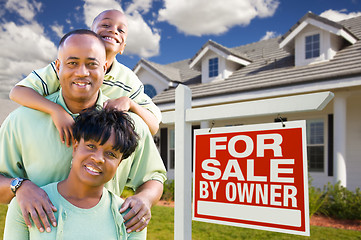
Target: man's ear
57	65
106	66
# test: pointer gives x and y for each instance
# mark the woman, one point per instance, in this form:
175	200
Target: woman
86	210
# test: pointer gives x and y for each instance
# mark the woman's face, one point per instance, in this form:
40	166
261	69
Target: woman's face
95	164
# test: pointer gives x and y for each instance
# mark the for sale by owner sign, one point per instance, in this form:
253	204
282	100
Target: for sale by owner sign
252	176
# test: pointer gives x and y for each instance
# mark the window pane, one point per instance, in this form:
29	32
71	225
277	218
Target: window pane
315	158
213	67
312	46
315	145
150	90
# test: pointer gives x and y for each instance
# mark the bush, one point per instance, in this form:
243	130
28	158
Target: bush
342	203
168	191
316	199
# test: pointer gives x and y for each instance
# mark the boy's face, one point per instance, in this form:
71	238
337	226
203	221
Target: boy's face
81	67
112	27
95	164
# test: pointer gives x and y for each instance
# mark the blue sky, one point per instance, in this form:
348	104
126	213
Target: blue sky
162	31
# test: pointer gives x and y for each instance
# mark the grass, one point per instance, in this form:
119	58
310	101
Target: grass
161	228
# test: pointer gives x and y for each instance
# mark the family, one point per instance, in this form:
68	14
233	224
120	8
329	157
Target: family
85	131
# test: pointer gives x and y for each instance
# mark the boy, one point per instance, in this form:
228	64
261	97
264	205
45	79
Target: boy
121	85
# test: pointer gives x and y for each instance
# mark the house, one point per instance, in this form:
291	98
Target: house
315	55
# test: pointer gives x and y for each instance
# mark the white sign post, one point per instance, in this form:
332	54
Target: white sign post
252	176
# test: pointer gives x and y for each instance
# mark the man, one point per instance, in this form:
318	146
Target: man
30	146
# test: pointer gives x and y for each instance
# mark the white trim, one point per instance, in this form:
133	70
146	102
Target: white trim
293	34
268	93
229	57
199	57
152	72
323	26
289	104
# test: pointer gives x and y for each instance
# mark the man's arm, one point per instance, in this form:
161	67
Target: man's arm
32	200
6	194
28	97
146	196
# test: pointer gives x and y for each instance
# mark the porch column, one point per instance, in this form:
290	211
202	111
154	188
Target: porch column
339	108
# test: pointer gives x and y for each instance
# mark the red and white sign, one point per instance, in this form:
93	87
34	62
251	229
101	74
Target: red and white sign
252	176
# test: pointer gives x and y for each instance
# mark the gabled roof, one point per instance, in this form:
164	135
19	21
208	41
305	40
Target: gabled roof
225	52
287	40
273	67
166	72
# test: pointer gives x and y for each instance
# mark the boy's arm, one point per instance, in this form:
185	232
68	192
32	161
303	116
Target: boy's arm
32	99
127	104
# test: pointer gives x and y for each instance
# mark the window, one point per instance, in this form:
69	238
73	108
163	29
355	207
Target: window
150	90
213	67
315	145
312	46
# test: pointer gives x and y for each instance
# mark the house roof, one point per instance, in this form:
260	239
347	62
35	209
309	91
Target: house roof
226	52
273	67
321	22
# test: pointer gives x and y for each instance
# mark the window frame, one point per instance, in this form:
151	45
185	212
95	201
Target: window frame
213	67
324	144
313	50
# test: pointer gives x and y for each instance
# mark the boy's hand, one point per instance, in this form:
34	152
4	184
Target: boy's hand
120	104
64	123
139	215
35	202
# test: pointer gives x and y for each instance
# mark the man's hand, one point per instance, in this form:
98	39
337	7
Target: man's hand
35	202
121	104
139	215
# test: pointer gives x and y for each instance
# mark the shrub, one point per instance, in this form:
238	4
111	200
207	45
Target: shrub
342	203
168	190
316	199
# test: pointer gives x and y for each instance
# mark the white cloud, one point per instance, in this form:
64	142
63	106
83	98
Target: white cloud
140	6
26	48
269	34
58	29
24	8
340	15
142	39
200	17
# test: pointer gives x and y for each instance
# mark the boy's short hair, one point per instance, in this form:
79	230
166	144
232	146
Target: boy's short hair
98	124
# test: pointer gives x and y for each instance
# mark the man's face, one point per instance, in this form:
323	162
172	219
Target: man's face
81	67
112	27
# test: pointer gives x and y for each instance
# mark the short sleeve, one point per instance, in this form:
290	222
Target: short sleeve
45	81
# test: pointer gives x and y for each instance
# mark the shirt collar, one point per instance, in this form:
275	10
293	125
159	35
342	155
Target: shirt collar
60	100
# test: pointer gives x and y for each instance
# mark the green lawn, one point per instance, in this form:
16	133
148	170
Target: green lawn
161	228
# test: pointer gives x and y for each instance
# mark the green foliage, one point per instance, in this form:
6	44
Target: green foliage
168	190
316	198
342	203
127	192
